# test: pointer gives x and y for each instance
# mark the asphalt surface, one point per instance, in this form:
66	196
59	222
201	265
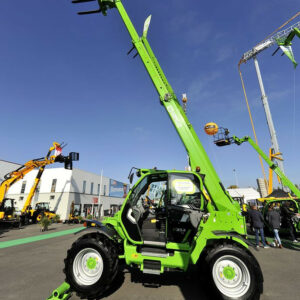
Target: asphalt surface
32	271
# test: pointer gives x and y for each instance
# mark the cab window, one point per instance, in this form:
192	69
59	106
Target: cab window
185	189
151	190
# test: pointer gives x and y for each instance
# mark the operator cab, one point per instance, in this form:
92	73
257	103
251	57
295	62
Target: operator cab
42	206
7	207
164	206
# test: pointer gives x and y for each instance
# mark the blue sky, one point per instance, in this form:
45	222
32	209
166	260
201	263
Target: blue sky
65	77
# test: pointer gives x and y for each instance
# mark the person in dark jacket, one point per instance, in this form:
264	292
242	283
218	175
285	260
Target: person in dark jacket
287	215
273	217
257	220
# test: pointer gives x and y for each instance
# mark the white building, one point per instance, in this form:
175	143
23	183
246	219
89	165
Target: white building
246	195
60	187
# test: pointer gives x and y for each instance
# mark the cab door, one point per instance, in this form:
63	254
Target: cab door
137	205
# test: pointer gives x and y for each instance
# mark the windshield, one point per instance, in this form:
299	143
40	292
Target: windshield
42	206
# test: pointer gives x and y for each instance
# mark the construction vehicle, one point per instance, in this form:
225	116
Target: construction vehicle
7	208
278	203
202	224
8	214
29	215
75	213
222	138
41	209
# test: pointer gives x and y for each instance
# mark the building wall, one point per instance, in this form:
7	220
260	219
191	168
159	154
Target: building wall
68	188
248	194
63	183
79	176
58	202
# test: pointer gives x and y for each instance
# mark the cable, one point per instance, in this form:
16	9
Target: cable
252	124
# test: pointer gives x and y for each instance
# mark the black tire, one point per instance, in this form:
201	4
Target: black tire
104	249
215	261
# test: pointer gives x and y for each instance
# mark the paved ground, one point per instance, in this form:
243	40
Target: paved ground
32	271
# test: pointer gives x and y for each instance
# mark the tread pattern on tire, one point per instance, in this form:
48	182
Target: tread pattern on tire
211	252
111	254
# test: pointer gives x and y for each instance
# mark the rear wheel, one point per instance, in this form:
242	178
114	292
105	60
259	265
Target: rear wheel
234	273
91	265
40	217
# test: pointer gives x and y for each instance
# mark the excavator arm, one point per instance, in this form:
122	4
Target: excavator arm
18	174
40	163
48	160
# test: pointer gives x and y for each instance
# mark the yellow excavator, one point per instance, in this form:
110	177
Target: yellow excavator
30	215
7	208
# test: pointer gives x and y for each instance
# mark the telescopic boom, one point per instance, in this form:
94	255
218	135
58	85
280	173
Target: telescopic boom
197	155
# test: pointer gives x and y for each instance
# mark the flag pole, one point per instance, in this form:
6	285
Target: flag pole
99	195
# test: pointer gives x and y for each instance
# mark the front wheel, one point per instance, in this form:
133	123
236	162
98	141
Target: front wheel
234	273
91	265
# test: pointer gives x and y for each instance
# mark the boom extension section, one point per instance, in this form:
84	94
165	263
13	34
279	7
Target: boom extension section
223	139
199	160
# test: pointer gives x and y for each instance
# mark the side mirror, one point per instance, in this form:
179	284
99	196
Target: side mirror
131	178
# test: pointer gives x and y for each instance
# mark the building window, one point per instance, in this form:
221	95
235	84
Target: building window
92	188
21	198
53	186
104	190
52	197
84	186
23	187
98	189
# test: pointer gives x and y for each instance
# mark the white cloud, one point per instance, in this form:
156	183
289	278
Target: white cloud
201	87
223	53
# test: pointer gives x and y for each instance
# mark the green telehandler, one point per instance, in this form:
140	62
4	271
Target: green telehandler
195	222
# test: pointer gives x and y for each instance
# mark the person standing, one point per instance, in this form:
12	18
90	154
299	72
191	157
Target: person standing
257	220
273	217
287	215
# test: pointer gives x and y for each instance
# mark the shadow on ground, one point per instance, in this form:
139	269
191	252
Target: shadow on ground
3	231
190	283
117	283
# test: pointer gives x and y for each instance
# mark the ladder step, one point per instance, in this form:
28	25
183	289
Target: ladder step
152	251
144	253
151	271
151	267
155	243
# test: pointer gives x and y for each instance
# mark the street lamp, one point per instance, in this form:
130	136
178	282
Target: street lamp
236	180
